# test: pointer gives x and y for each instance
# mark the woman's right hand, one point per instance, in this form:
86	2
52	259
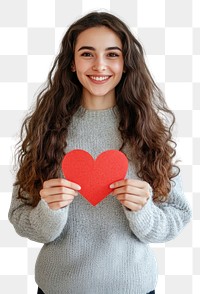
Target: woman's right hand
58	193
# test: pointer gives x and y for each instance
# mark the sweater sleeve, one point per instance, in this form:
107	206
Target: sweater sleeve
40	224
156	223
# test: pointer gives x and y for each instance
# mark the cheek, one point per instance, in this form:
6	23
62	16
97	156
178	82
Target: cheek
81	66
118	67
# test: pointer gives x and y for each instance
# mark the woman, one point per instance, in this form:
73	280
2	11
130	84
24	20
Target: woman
100	96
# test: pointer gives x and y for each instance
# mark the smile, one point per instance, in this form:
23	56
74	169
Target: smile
99	78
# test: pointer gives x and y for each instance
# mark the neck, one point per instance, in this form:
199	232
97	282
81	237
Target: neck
98	103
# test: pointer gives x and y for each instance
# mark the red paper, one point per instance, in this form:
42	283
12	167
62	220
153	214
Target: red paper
94	176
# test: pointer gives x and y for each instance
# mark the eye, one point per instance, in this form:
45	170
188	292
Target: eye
86	54
113	54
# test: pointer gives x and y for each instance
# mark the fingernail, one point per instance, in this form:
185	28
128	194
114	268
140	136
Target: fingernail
78	187
112	186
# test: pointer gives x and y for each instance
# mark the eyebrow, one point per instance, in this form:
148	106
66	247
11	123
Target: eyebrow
93	49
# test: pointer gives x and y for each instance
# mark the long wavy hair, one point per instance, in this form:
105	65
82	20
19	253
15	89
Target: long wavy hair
145	120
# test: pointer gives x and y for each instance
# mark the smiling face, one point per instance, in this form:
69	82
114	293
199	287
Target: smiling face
98	62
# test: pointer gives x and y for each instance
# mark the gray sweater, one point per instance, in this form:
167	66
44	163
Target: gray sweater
99	249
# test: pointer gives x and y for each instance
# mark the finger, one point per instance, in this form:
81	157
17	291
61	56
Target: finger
56	190
61	182
59	204
132	206
133	199
130	190
129	182
57	198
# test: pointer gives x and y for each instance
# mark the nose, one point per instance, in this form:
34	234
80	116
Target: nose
99	65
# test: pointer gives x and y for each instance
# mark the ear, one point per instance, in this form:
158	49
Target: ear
73	68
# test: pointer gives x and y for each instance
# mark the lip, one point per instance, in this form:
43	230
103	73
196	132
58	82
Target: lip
98	80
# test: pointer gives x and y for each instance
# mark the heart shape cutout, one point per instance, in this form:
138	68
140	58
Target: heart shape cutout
94	176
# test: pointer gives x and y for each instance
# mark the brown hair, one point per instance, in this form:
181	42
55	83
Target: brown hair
145	120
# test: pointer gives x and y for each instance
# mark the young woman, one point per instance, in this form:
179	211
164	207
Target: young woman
99	96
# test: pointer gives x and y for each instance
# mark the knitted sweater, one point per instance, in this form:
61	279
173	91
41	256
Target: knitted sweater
99	249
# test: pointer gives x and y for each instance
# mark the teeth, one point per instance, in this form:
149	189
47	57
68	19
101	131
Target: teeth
99	78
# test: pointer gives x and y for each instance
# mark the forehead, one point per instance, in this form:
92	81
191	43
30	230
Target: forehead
98	37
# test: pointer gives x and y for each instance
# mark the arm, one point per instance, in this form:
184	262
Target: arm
161	222
45	222
40	224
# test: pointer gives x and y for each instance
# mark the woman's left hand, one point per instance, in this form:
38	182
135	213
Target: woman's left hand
133	194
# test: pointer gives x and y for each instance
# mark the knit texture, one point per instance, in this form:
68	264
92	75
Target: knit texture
99	249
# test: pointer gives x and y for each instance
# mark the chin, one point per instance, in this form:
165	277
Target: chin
100	93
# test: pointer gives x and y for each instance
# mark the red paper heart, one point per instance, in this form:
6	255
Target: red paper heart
94	176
